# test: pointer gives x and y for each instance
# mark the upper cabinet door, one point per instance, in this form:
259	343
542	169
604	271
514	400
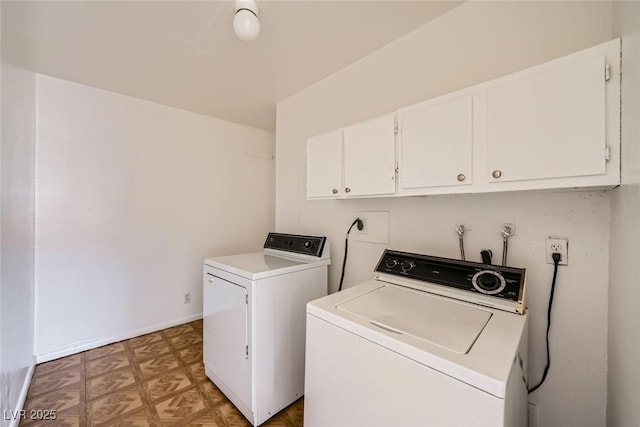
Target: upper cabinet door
436	144
369	157
548	124
324	165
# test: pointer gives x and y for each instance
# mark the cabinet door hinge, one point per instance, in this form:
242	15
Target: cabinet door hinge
246	350
246	299
395	128
607	153
607	72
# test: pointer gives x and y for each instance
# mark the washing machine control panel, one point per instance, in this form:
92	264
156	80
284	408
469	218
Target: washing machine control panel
486	279
306	245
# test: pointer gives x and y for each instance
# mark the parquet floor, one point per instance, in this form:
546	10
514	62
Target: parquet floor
152	380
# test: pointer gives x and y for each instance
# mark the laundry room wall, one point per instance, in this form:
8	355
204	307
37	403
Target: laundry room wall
131	196
475	42
16	237
624	335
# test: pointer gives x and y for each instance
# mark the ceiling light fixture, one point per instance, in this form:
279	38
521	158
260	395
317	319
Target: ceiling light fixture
245	22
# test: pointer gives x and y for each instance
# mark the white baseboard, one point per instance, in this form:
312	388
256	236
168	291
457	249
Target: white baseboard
88	345
23	394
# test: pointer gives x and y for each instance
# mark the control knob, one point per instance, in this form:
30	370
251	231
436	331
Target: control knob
307	244
407	266
488	282
390	263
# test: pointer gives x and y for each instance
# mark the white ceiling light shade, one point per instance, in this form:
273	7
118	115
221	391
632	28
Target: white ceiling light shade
245	21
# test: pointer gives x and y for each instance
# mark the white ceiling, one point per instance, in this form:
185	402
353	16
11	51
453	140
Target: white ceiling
185	54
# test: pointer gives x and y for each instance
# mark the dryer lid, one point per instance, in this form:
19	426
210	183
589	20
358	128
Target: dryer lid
427	317
257	265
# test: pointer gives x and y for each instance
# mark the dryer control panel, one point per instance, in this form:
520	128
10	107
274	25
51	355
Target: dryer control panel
506	283
305	245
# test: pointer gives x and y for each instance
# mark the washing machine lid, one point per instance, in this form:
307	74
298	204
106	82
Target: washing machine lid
447	324
493	358
258	265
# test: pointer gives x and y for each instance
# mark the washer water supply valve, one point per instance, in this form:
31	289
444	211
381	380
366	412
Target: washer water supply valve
460	230
506	230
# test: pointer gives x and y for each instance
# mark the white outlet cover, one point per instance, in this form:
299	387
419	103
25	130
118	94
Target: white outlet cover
376	227
558	244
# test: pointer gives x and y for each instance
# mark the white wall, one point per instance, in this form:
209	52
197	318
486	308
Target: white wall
131	197
624	335
471	44
17	238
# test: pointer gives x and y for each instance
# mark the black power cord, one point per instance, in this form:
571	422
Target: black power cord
556	260
346	248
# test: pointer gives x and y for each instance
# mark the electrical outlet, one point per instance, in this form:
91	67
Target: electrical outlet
375	227
364	230
187	298
559	245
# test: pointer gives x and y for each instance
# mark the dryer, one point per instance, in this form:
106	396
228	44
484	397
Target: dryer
254	321
429	342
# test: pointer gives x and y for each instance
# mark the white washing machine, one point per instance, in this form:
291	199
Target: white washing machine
254	321
429	342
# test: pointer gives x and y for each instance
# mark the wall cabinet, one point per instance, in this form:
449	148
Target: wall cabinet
552	126
324	165
355	161
369	157
436	144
